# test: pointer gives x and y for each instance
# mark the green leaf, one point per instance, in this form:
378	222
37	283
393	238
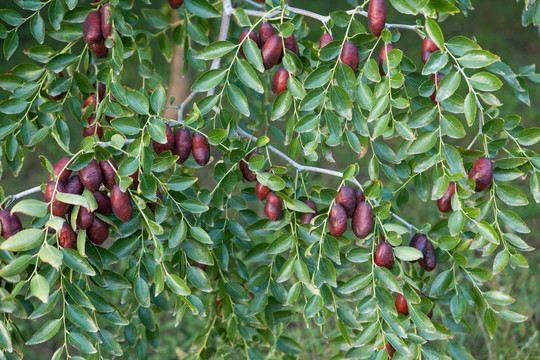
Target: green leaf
476	59
281	105
490	322
208	80
441	283
529	137
253	54
487	232
16	266
13	106
238	99
247	75
407	253
40	288
10	44
386	279
216	50
198	278
24	240
46	332
75	261
137	102
318	78
448	86
30	207
78	316
485	81
313	306
198	252
177	285
202	8
200	235
142	292
37	28
434	32
423	143
157	100
511	196
422	117
512	316
80	342
341	101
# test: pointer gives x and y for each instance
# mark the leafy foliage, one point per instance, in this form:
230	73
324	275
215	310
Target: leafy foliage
205	249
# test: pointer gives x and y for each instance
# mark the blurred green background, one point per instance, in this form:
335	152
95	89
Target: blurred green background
496	25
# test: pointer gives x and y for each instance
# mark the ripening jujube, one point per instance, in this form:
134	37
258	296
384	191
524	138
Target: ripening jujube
91	175
99	49
73	185
444	204
273	206
175	4
108	172
422	243
93	127
98	232
266	31
103	203
92	27
272	51
384	255
347	199
169	142
201	150
183	144
307	217
121	204
244	167
350	55
359	195
261	191
11	224
57	208
106	21
85	218
279	81
401	305
337	220
362	220
482	173
376	16
291	44
67	237
252	35
325	39
60	169
383	55
428	48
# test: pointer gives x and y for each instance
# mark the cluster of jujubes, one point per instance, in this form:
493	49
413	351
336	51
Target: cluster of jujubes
351	204
90	177
97	27
182	144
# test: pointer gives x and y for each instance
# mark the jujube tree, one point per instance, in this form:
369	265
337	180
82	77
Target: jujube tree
223	211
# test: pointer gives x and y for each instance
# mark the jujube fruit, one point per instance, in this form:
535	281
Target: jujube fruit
106	21
291	44
418	242
91	175
429	261
273	206
99	49
307	217
325	39
182	145
350	55
337	220
362	220
60	169
482	173
90	100
383	55
445	202
201	150
85	218
103	203
108	172
135	178
271	52
347	199
266	31
384	255
98	232
94	128
252	35
244	167
11	224
428	48
121	204
261	191
359	194
390	349
169	143
279	81
57	208
74	186
401	305
376	16
67	237
92	27
175	4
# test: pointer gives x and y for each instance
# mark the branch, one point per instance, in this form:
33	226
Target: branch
223	31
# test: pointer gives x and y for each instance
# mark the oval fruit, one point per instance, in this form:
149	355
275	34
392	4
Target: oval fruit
60	169
244	167
390	349
401	305
57	208
99	49
291	44
94	128
266	31
91	175
418	242
74	186
106	21
376	16
279	81
350	56
98	232
445	203
67	237
92	27
307	217
108	172
182	144
168	145
428	48
175	4
261	191
429	262
325	39
359	194
347	199
383	55
337	220
384	255
103	203
362	221
252	35
11	224
121	204
482	173
273	206
201	150
85	218
135	178
272	51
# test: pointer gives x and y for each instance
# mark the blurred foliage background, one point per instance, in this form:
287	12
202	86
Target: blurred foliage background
496	25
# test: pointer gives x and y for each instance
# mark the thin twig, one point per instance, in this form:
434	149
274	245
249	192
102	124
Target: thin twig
223	31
